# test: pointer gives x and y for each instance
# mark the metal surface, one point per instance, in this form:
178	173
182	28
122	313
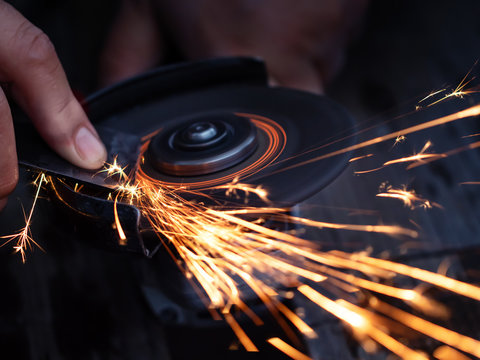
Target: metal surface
305	124
202	145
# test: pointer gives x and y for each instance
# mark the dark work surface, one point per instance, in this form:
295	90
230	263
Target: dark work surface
76	302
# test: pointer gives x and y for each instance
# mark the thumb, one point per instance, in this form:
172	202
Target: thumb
31	69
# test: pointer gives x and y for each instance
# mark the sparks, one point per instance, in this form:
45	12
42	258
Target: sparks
463	114
420	158
359	158
114	169
131	192
409	198
400	139
215	246
458	92
233	188
223	247
23	239
118	225
287	349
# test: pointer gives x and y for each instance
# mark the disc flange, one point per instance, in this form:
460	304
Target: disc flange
202	145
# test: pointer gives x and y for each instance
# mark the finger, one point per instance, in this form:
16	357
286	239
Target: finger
301	75
29	64
288	70
8	160
133	45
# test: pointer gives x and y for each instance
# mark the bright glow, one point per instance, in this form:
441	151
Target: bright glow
409	198
287	349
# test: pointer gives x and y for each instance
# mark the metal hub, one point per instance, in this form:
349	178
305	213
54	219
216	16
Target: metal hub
203	145
200	136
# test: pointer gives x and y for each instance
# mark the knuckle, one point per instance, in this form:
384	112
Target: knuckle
33	45
40	48
3	6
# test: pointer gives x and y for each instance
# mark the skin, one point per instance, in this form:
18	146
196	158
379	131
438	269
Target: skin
31	74
302	41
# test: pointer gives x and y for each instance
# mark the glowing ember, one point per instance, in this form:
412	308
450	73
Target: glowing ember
23	239
409	198
233	188
359	158
418	159
458	92
114	169
463	114
118	225
400	139
287	349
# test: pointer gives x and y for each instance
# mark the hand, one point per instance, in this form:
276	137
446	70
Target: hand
31	73
302	41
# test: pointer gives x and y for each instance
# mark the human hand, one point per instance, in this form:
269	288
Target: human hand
32	75
302	42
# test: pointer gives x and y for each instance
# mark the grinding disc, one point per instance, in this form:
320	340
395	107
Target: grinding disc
290	125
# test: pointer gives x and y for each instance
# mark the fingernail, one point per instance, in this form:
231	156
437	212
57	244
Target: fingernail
89	147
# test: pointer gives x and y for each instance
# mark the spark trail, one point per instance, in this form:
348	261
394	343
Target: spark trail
23	239
216	247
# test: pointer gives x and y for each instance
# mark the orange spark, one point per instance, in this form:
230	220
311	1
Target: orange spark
445	352
432	94
295	320
400	139
417	159
240	333
383	229
23	239
118	225
288	349
381	336
421	156
359	158
469	112
449	337
235	186
409	198
359	323
471	135
458	92
352	318
114	169
426	276
132	192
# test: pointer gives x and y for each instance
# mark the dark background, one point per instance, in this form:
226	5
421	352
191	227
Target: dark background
75	302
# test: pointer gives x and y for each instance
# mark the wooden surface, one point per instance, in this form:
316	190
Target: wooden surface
74	302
